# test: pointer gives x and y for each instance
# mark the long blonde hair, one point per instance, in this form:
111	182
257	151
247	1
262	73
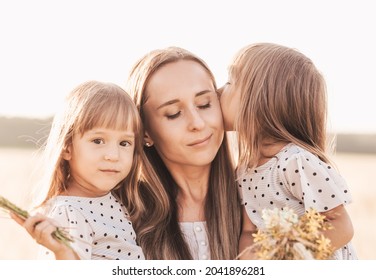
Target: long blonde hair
283	98
96	104
222	208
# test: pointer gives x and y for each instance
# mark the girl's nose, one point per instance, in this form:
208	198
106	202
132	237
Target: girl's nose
219	91
112	154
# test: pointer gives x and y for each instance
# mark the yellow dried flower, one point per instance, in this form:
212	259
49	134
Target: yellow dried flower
289	237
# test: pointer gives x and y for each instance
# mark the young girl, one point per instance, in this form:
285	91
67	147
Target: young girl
275	99
94	152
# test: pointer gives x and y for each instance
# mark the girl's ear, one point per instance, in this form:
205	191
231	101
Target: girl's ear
147	140
67	152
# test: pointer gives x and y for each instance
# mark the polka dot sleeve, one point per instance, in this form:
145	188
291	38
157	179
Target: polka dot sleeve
241	173
78	227
314	182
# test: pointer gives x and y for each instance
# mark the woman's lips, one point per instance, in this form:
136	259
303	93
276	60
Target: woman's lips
201	141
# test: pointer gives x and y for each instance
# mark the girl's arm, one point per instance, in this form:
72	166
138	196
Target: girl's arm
343	230
41	228
246	238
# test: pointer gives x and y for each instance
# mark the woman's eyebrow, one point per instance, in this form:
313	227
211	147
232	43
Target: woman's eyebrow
203	92
173	101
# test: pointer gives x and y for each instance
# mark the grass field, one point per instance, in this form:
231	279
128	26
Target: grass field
16	166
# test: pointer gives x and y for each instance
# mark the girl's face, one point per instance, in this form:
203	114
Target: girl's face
230	103
182	115
99	160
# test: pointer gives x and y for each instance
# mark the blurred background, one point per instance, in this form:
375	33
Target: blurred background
49	47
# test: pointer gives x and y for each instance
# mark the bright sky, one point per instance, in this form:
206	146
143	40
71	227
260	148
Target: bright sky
49	47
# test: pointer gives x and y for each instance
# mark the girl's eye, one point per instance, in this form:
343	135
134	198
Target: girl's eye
98	141
205	106
174	116
125	143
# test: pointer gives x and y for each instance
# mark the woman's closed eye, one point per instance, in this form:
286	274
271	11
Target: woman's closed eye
177	114
205	106
173	116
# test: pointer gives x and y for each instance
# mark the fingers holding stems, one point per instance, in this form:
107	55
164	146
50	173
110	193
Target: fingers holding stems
48	234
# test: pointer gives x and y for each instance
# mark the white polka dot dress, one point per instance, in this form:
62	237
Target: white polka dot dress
299	180
100	226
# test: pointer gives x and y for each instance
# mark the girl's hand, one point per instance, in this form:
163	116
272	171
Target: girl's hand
41	228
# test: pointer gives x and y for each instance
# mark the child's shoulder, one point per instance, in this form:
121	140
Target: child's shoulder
63	200
61	203
292	150
292	154
298	160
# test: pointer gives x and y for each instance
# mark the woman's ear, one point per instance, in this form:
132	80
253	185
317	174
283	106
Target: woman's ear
147	140
67	152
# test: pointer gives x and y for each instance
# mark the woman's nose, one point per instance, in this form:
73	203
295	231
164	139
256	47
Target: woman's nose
196	122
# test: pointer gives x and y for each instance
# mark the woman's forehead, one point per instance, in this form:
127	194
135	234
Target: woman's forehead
179	79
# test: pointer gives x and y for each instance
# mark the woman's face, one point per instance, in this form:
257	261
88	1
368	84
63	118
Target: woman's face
182	113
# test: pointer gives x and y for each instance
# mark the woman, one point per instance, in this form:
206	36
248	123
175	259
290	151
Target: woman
176	95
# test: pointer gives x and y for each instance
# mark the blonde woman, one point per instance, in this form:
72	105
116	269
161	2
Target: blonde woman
275	99
185	142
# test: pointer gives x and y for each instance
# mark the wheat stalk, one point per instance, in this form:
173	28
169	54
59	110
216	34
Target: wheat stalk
59	234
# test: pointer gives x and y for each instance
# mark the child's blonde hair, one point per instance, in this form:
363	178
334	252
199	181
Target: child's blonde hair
283	98
91	104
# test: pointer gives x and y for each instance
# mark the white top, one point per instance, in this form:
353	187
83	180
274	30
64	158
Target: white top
299	180
100	226
196	236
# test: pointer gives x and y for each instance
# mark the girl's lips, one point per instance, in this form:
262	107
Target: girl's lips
110	170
